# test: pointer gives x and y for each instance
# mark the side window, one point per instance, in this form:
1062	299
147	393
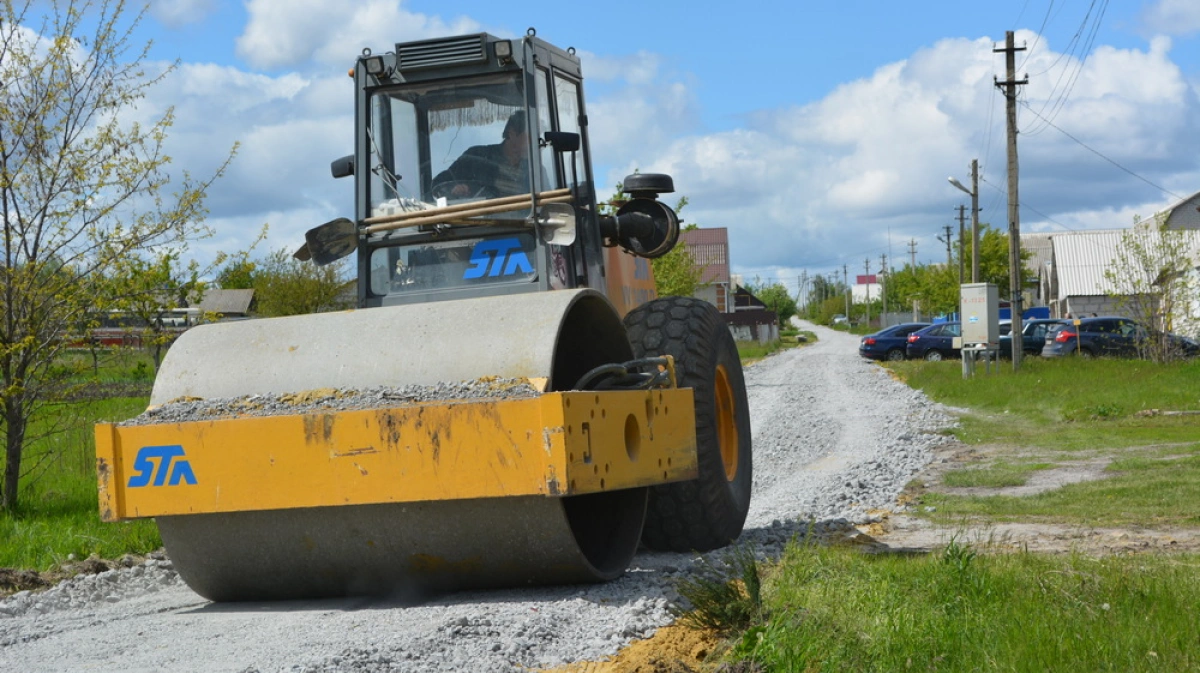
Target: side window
953	330
544	102
566	95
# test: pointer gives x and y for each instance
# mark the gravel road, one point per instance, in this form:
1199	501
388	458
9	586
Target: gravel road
834	438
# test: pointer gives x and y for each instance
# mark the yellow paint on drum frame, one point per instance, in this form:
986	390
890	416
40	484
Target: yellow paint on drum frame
556	444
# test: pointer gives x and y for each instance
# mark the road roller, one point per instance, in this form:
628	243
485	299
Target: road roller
483	255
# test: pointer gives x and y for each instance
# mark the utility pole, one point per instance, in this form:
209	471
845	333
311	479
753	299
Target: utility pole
846	282
962	246
1009	86
867	272
945	238
912	252
974	220
883	270
803	289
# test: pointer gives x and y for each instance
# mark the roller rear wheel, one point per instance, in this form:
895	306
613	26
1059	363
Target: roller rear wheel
709	511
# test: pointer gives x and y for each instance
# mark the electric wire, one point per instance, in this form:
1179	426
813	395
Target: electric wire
1102	156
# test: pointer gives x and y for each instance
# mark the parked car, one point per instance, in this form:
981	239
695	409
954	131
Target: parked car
889	343
935	342
1033	336
1109	336
840	319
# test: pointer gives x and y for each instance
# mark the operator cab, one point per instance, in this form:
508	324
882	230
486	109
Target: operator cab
442	129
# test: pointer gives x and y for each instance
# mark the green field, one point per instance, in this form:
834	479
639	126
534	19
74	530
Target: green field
964	608
58	514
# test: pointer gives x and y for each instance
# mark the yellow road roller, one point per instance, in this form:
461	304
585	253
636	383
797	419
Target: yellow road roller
482	256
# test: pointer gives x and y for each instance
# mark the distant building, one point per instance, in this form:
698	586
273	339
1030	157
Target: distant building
710	251
752	320
228	303
1183	215
1076	282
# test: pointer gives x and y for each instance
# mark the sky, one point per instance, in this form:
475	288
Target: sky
820	134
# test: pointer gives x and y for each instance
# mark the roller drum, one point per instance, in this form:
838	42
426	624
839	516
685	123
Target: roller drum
405	550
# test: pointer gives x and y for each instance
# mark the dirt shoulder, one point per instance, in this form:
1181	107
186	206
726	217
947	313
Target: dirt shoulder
905	532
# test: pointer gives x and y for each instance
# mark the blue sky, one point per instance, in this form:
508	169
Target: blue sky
820	134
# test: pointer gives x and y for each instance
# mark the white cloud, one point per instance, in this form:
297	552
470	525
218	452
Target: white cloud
1173	17
855	174
864	169
289	33
178	13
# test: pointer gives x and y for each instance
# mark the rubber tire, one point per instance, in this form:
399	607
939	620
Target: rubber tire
1086	353
895	355
709	511
934	355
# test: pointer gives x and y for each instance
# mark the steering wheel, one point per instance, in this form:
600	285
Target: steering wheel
474	190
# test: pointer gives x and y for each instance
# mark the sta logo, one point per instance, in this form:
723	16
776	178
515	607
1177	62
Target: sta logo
172	467
498	257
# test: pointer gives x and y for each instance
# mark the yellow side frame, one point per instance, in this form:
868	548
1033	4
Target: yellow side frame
556	444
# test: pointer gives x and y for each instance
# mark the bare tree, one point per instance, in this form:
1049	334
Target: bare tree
81	187
1151	281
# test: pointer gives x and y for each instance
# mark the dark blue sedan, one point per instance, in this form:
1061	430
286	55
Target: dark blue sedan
935	342
889	343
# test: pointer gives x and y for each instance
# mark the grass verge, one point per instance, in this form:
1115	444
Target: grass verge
962	609
838	610
58	513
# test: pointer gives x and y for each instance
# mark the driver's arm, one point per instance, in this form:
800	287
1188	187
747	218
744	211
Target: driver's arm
474	165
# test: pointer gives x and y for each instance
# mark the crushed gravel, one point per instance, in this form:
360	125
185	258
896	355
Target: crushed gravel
332	399
835	439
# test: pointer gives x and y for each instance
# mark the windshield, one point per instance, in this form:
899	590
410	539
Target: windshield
461	141
453	264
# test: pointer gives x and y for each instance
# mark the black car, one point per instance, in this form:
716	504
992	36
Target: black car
889	343
935	342
1033	336
1109	336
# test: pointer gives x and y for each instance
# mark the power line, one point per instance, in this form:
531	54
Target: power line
1099	154
1056	104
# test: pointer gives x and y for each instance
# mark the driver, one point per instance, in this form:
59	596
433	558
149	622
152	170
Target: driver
502	169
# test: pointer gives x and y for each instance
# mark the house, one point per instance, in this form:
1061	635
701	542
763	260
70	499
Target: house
1087	268
1041	251
747	317
1183	215
710	250
227	303
751	320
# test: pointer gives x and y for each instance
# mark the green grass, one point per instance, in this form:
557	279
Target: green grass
963	609
58	511
996	475
752	351
841	610
1066	403
1151	491
1057	410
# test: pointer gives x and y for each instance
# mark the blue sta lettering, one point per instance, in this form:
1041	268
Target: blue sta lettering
172	467
498	257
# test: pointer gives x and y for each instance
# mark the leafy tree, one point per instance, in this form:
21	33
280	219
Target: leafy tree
81	188
677	273
238	274
149	288
284	285
777	299
936	287
1151	281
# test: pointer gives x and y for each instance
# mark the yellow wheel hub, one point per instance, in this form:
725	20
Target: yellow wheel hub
727	434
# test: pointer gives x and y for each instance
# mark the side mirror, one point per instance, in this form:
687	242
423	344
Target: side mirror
329	242
342	168
563	141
